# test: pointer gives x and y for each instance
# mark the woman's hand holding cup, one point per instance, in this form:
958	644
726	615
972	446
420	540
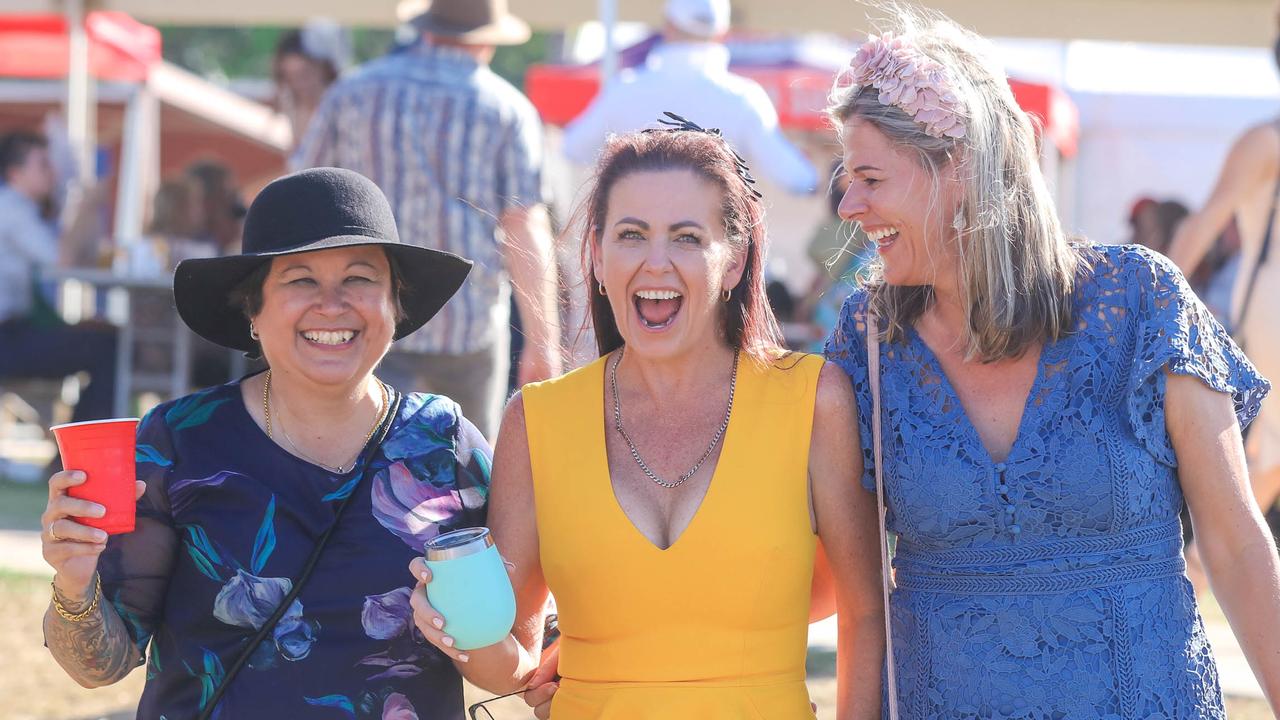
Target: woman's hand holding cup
72	548
429	620
464	599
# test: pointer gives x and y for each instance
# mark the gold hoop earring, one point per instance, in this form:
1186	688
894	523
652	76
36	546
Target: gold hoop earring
601	287
725	295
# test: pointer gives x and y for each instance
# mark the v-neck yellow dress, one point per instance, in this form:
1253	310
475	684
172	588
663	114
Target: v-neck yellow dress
714	627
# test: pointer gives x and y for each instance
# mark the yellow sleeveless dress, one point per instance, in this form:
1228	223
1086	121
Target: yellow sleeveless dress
714	627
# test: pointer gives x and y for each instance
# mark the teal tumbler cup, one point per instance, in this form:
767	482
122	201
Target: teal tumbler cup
470	587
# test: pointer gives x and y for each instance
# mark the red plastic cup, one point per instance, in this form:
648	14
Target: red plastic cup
103	450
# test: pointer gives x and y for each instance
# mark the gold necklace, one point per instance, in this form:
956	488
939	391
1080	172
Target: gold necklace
377	422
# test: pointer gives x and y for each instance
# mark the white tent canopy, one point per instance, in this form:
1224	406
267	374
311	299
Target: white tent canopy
1201	22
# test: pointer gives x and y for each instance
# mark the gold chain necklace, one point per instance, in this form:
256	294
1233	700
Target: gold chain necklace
339	469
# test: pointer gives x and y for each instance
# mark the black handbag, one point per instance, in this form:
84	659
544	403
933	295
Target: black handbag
298	583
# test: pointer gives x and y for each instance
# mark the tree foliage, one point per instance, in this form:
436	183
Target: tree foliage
234	53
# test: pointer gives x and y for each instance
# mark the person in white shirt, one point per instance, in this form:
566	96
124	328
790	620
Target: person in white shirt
688	73
35	342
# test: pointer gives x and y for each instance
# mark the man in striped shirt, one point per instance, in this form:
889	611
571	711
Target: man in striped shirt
458	151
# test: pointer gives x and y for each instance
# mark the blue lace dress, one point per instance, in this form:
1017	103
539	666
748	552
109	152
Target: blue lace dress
1051	585
229	517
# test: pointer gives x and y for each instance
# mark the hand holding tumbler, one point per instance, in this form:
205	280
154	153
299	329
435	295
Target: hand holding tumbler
470	588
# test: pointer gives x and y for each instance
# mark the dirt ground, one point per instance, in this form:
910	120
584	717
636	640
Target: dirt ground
35	688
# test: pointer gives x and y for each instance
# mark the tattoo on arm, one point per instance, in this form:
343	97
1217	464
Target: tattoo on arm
96	651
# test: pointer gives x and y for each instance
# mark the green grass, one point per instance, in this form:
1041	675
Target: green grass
820	664
21	505
14	582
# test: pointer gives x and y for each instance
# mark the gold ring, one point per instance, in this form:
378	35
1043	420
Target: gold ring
53	534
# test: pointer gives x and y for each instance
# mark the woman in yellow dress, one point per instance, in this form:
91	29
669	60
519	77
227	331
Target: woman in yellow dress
673	493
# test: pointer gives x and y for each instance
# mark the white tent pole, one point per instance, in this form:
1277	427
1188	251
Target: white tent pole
609	61
80	116
139	163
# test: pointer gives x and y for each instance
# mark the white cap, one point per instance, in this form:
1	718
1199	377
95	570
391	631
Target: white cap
705	18
324	39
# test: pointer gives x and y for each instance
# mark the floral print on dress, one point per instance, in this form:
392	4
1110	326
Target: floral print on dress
398	707
228	521
420	491
389	617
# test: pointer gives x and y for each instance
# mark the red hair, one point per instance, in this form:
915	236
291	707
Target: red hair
749	323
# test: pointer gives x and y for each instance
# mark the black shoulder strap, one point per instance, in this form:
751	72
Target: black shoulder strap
298	582
1263	253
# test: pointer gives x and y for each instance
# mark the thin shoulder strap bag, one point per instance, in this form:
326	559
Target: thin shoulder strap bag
873	374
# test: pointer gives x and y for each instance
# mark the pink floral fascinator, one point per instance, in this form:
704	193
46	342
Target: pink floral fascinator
910	80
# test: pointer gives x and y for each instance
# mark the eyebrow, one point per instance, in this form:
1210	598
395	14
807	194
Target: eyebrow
353	263
864	168
645	226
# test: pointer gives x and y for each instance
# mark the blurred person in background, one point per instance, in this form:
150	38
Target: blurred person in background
220	217
1215	277
1144	225
307	61
34	341
839	252
688	73
458	151
175	212
1169	217
1247	189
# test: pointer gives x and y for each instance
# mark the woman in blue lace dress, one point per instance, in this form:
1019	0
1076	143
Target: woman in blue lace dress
242	482
1047	408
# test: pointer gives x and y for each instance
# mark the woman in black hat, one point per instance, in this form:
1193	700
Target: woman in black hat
276	513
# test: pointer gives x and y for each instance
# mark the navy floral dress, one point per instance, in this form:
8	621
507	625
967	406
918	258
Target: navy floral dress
229	518
1051	585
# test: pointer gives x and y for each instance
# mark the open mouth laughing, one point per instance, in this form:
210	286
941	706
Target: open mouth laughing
657	308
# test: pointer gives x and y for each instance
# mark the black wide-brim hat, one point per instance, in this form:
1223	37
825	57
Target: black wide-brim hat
317	209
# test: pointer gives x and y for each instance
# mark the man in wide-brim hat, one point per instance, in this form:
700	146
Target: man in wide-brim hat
458	152
475	22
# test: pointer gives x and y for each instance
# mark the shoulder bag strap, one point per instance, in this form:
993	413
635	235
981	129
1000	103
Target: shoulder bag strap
873	374
1263	253
299	582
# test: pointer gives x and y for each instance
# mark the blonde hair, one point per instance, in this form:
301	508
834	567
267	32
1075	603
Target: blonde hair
1017	267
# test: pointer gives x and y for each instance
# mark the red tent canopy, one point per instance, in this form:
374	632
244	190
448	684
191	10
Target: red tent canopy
561	92
1053	113
35	46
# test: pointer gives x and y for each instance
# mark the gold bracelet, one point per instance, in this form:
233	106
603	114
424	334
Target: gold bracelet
83	614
